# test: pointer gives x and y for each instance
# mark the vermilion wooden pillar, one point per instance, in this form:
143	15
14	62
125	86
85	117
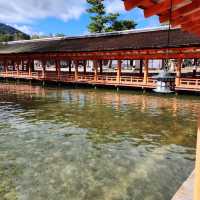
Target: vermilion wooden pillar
95	65
76	70
146	70
43	69
178	71
85	67
141	67
197	169
13	65
17	66
29	67
70	67
57	62
101	67
119	70
22	65
5	66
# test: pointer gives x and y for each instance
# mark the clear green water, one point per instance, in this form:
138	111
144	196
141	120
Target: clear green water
85	144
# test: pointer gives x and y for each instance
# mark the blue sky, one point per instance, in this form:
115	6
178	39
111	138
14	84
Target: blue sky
61	16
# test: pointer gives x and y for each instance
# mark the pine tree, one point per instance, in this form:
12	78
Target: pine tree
103	22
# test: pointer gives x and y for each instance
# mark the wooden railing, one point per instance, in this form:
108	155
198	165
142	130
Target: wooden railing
85	78
189	83
185	83
66	77
131	80
106	79
152	81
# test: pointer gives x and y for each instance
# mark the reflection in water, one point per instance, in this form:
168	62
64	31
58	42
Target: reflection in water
82	144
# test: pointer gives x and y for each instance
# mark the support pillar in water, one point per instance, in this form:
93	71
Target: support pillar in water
43	69
119	70
76	63
58	67
146	71
178	72
95	63
6	67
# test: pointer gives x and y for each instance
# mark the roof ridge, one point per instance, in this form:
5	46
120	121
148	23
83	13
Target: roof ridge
114	33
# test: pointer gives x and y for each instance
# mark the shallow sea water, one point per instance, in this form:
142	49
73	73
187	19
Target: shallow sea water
86	144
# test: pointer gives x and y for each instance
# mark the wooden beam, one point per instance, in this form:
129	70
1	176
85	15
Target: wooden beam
183	11
58	67
95	65
85	67
5	63
119	70
76	65
178	71
146	71
191	27
70	66
101	66
29	68
43	69
130	4
161	7
17	66
194	17
156	53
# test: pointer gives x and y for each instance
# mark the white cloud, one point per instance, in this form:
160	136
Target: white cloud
26	11
113	6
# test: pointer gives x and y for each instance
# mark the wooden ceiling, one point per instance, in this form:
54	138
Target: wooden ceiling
180	13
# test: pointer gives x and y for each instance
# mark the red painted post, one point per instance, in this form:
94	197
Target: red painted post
17	66
76	70
178	71
43	69
85	67
57	62
29	68
101	66
70	67
95	65
6	67
119	70
146	71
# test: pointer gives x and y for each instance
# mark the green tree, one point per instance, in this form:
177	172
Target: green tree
106	22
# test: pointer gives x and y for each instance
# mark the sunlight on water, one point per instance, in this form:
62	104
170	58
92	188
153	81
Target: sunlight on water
84	144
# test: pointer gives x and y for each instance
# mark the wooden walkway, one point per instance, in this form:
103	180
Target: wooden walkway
186	84
186	192
124	81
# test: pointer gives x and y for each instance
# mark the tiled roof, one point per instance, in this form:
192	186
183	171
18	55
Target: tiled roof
128	40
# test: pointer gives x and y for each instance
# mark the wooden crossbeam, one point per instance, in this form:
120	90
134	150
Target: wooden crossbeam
194	31
186	19
183	11
191	25
161	7
130	4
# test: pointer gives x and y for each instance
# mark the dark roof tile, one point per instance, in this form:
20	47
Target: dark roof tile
132	40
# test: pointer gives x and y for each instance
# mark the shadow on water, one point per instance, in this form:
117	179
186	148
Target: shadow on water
84	144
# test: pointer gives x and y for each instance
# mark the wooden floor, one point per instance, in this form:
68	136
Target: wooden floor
186	84
186	192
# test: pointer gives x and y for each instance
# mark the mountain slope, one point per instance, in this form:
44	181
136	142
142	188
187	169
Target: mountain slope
8	33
